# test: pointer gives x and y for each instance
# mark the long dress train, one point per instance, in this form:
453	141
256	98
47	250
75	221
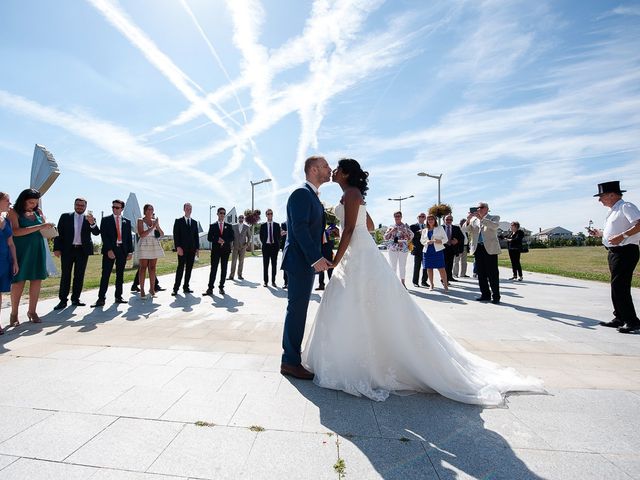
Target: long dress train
370	338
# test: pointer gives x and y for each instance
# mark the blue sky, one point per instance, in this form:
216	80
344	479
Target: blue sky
526	105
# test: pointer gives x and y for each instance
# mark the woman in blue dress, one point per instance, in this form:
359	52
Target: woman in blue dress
433	238
8	261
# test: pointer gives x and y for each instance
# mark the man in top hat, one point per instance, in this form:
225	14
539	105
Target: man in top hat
620	237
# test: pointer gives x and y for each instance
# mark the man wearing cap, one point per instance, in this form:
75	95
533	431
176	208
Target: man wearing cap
620	236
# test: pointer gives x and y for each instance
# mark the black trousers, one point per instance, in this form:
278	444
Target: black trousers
78	258
449	257
107	267
269	256
488	275
185	265
219	256
622	263
417	266
514	256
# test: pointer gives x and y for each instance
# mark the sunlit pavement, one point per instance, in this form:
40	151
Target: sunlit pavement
189	387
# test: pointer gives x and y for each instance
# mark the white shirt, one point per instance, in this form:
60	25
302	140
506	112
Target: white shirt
77	228
313	187
621	217
188	221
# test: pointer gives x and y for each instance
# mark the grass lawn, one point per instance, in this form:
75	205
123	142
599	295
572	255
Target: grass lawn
589	263
166	264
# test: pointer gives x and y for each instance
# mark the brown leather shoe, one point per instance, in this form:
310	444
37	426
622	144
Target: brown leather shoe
296	371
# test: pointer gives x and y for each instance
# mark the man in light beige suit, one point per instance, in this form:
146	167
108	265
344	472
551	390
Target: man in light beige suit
482	230
241	238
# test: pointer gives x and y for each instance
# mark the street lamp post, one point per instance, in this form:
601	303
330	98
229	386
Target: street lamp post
253	184
437	177
399	199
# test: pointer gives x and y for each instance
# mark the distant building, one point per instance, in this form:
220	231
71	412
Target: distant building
555	233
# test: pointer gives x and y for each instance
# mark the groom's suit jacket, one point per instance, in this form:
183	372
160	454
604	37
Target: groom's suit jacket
305	221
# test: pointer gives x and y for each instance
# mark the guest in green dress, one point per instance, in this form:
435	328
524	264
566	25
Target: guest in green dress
27	221
8	262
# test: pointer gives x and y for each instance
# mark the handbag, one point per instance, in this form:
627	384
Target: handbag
49	232
524	248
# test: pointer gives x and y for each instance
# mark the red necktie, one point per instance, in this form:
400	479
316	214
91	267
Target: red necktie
221	225
118	232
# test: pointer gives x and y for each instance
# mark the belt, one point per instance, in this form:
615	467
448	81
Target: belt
621	247
77	246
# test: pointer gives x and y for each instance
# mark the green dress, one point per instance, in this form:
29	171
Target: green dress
31	252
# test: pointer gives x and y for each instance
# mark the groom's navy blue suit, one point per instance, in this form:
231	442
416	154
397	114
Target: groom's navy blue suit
305	221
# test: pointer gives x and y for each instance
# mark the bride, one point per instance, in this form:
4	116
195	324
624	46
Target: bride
369	336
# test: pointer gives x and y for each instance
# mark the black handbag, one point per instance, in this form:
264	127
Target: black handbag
524	248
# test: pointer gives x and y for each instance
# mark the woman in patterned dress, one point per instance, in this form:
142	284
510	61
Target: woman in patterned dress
8	260
149	248
398	237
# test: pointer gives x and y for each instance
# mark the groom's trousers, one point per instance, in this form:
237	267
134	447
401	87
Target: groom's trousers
298	294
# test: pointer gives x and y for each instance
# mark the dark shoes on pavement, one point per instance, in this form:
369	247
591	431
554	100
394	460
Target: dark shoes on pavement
221	289
483	299
296	371
320	287
99	303
208	293
120	300
61	305
632	328
615	323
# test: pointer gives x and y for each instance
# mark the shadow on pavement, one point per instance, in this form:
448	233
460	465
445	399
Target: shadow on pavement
421	436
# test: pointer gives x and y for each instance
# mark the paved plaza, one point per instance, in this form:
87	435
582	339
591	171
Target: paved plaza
188	387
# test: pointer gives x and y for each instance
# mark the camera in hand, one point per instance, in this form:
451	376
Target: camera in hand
473	209
395	239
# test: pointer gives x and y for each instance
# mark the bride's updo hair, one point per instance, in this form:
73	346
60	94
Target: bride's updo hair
356	176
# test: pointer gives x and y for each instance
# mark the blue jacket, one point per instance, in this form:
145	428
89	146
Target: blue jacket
305	221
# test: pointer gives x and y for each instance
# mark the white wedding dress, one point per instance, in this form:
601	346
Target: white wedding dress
370	338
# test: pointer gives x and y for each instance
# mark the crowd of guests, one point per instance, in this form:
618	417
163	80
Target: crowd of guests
24	230
445	248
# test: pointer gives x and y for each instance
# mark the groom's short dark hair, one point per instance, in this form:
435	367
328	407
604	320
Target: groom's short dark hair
311	161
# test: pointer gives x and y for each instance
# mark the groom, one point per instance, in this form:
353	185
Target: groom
302	259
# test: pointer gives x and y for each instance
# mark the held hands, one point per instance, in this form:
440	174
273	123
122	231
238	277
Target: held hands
56	253
130	256
322	265
180	251
220	241
111	255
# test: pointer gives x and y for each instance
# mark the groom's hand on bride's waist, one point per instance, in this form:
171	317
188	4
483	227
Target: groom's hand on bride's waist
322	265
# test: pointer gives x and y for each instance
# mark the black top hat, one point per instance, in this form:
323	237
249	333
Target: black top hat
609	187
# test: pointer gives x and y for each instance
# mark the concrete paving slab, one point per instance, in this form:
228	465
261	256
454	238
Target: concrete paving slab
196	359
15	420
271	412
143	402
629	464
206	406
110	474
127	444
56	437
276	455
206	452
388	459
26	468
6	460
194	378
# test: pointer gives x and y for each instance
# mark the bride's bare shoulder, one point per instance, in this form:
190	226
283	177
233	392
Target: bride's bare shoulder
352	195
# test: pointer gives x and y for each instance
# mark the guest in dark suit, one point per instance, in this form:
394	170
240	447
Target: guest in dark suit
221	237
283	242
270	238
453	246
330	234
187	243
73	246
117	247
417	228
514	239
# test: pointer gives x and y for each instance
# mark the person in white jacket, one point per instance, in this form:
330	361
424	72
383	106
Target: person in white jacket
482	229
433	238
